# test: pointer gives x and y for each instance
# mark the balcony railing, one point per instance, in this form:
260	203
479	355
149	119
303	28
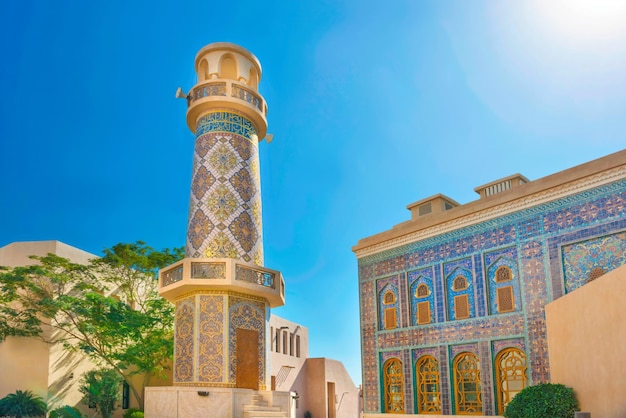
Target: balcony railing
173	275
208	270
259	277
227	89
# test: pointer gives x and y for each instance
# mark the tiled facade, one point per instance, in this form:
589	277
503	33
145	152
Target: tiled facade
547	246
225	208
202	320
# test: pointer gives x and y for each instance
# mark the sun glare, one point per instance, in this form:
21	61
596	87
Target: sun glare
584	21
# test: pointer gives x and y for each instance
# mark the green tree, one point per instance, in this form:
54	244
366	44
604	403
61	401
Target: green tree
66	411
108	309
102	390
542	401
23	404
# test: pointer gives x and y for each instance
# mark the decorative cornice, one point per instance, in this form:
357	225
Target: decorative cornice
221	293
502	209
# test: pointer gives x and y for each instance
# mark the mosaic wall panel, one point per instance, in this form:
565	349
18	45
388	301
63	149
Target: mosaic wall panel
506	257
184	340
385	287
211	339
580	259
452	271
500	345
533	242
225	205
417	279
246	314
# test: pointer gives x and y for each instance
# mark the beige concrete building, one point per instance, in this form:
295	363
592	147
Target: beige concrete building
322	386
586	336
47	369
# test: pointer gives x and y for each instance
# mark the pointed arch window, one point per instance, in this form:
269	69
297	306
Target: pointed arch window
503	274
460	283
393	378
511	370
422	291
389	298
428	386
467	389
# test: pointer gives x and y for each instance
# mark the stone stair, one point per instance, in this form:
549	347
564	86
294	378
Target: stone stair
259	408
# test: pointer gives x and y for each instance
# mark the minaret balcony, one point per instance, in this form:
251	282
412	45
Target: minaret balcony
226	94
221	274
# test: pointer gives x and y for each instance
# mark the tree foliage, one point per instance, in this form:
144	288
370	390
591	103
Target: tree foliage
543	400
66	411
23	404
108	309
102	390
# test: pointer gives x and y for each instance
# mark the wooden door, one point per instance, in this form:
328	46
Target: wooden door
247	359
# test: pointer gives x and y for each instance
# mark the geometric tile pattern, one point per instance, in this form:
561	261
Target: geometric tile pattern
225	203
210	339
548	247
184	338
247	314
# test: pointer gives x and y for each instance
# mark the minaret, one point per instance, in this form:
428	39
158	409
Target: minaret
221	290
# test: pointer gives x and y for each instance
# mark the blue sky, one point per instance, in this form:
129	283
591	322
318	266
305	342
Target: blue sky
374	105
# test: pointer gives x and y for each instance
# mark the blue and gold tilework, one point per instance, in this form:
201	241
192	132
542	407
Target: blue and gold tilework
417	279
551	249
225	219
387	287
506	257
184	338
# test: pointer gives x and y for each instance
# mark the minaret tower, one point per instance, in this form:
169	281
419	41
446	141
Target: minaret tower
221	290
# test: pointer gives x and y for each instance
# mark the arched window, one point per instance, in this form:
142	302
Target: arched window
228	68
460	283
467	389
253	79
511	369
203	73
422	291
428	393
389	298
503	274
393	378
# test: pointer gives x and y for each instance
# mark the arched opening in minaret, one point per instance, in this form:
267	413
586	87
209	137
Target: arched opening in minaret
228	68
203	71
253	79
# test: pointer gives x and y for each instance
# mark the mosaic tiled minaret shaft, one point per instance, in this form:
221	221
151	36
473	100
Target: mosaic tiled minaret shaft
222	291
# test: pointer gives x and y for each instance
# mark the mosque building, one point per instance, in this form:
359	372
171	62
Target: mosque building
453	301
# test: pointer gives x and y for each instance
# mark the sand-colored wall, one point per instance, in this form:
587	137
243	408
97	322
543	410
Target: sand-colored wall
320	371
586	336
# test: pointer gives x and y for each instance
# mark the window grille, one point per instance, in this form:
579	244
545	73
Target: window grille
506	299
422	291
393	379
461	307
390	318
503	274
511	369
428	396
389	298
423	313
467	389
460	283
595	273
